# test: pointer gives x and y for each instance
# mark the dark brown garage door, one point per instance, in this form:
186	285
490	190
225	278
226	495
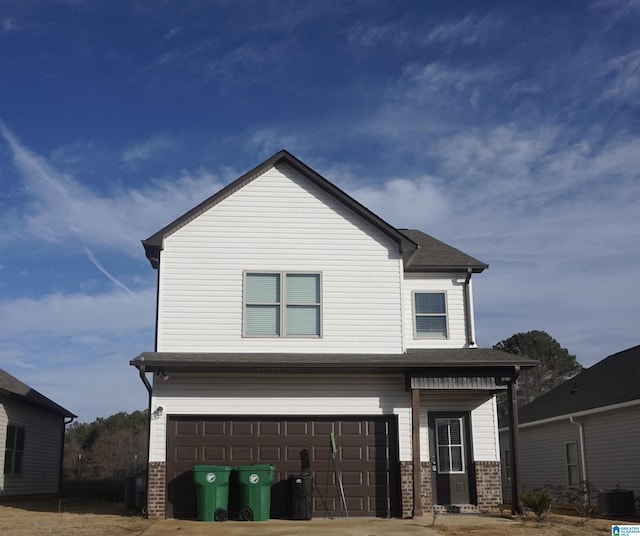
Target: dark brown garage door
367	455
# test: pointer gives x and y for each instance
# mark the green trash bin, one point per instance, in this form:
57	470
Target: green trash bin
254	490
212	490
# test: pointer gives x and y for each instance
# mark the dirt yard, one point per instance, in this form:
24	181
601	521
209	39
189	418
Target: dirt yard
68	517
74	517
553	525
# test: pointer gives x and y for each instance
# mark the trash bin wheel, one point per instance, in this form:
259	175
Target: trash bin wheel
245	514
220	514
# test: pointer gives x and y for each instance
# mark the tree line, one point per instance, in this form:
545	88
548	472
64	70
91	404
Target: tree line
112	447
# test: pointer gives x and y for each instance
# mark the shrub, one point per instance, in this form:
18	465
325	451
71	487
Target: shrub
537	500
584	499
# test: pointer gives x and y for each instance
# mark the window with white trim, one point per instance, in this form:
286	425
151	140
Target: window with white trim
450	446
573	471
430	315
282	304
14	450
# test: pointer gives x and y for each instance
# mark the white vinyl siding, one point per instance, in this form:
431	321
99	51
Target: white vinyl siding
293	394
452	286
279	223
40	471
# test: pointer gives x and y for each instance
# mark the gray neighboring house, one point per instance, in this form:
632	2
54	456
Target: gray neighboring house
587	428
32	434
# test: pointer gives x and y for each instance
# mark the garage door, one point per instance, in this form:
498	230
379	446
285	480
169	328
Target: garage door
368	459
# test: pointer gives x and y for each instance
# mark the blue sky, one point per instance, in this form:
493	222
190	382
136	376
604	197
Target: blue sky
510	130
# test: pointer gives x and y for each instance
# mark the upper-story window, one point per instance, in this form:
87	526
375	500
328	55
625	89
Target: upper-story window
282	305
430	315
14	450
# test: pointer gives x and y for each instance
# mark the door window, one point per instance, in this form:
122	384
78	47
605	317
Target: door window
449	444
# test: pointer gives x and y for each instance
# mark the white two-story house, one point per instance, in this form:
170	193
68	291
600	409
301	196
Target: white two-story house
287	312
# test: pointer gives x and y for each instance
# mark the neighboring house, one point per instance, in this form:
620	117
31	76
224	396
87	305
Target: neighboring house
286	312
587	428
32	434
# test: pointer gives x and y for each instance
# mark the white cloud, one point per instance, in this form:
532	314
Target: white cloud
149	149
623	75
71	315
61	210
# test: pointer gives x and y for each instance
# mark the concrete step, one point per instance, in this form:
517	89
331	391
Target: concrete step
456	509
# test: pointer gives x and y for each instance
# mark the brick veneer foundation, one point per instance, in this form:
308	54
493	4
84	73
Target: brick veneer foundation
406	485
488	485
156	492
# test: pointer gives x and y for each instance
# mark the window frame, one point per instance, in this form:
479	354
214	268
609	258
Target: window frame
14	456
282	304
415	316
569	465
450	446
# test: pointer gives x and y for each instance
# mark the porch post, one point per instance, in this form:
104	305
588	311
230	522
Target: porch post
514	440
415	453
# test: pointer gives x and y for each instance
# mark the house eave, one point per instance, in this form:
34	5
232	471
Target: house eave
329	363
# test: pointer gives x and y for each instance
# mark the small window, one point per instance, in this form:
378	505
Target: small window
450	446
573	472
282	305
14	450
430	315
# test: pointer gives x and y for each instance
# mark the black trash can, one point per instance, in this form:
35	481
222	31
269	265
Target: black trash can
301	493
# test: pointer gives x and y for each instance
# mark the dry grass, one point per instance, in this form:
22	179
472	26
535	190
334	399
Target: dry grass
68	517
552	525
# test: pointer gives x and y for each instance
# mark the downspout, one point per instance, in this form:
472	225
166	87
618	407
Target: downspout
583	457
143	377
467	308
514	440
64	430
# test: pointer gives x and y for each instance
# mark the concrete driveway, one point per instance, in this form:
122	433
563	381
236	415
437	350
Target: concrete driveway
320	527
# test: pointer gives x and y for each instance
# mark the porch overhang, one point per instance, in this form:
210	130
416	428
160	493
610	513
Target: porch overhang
411	362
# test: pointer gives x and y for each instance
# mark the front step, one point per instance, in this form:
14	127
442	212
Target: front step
455	509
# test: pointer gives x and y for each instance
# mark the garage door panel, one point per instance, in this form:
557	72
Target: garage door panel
187	454
299	428
293	445
214	428
269	428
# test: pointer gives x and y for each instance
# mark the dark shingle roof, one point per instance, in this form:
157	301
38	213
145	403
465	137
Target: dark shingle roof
436	256
420	251
13	388
347	363
613	380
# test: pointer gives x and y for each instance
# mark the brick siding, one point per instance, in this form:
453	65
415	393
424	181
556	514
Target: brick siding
156	494
488	485
406	485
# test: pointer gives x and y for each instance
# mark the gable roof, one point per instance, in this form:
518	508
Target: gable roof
420	251
14	389
153	244
614	380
